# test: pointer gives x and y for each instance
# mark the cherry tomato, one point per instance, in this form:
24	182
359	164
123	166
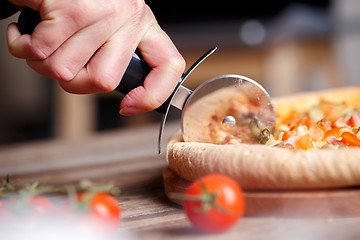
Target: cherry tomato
40	205
102	206
23	212
105	205
214	203
37	206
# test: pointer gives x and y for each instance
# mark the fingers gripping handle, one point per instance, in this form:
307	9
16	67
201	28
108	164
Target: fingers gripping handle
134	75
28	19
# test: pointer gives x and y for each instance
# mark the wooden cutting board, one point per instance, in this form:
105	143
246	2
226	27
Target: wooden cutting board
340	202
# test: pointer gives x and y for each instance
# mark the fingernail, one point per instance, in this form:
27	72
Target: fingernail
122	111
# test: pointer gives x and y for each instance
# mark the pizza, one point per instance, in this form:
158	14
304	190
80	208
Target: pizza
316	144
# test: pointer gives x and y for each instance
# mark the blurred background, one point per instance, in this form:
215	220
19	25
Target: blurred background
287	46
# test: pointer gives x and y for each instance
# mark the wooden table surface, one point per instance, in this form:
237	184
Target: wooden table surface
129	159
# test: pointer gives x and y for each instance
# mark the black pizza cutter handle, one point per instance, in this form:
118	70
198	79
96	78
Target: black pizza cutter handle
7	9
134	75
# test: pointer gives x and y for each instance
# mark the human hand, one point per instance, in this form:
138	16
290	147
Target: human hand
87	47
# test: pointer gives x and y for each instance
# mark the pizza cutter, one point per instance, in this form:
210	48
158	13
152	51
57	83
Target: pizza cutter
197	106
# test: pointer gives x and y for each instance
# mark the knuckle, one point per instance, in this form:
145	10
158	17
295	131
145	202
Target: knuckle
104	82
137	6
76	16
177	63
136	10
109	10
81	16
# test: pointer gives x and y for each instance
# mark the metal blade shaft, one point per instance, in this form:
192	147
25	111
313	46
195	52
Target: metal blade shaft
180	97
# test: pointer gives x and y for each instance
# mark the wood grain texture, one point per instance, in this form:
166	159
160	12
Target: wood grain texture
342	202
129	159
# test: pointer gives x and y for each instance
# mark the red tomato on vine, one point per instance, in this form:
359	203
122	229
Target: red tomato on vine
40	205
102	206
214	203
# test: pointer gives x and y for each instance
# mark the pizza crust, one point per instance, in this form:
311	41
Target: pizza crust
262	167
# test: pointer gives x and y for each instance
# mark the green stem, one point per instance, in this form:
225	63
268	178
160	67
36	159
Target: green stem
186	197
207	200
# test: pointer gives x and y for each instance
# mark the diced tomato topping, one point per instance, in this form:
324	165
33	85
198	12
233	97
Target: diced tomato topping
354	121
350	139
325	123
287	135
306	134
316	131
305	142
304	121
332	139
339	122
356	130
336	133
306	126
297	130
